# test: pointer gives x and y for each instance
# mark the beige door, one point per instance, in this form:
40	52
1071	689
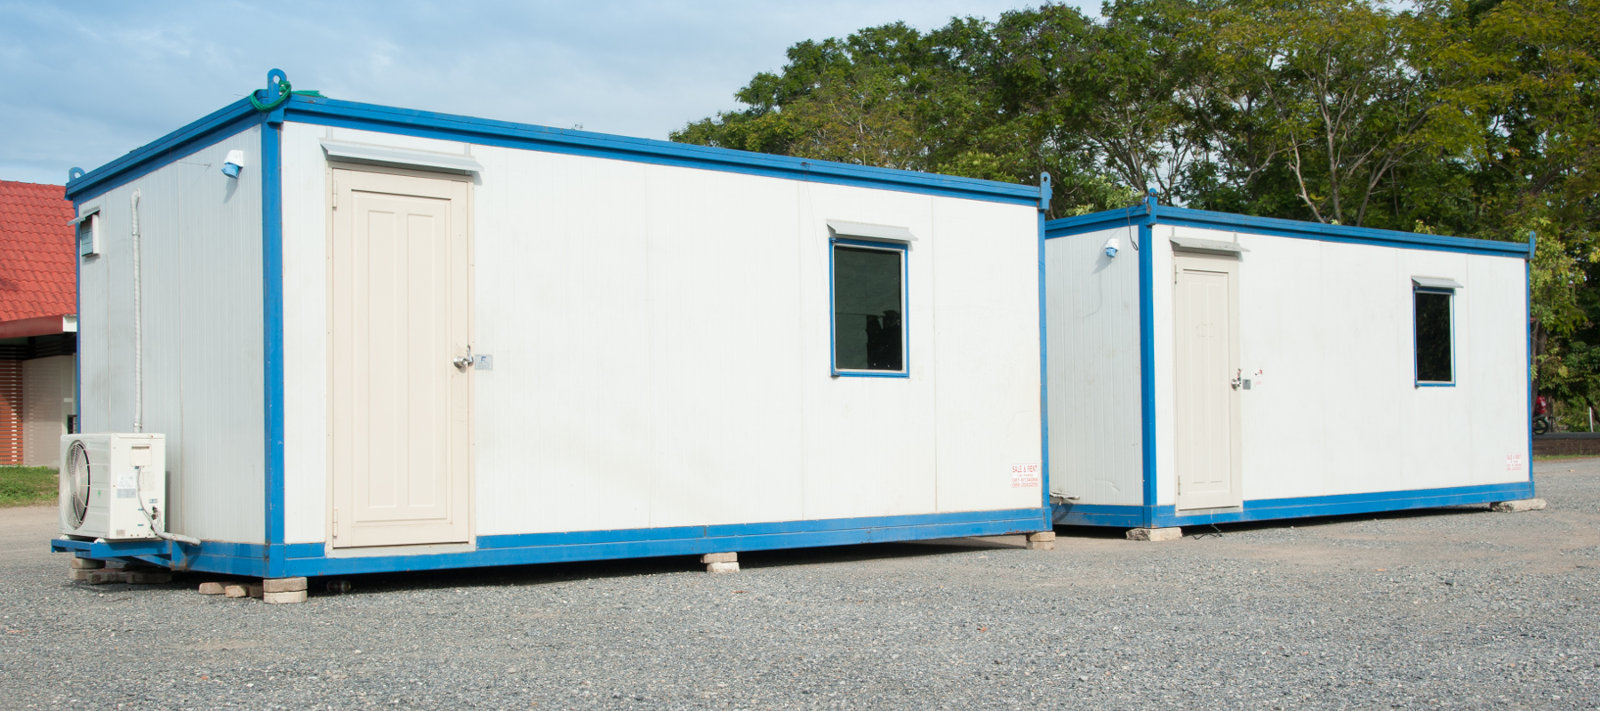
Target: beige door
399	309
1206	385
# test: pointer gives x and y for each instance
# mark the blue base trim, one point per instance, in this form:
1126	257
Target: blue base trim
310	559
1302	507
246	559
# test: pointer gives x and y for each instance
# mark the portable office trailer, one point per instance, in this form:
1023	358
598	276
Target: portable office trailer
378	339
1207	367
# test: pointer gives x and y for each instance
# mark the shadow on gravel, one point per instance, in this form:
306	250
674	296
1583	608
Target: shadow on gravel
550	573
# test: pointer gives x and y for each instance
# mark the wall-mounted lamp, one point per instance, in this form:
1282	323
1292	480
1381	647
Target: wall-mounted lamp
1112	245
233	164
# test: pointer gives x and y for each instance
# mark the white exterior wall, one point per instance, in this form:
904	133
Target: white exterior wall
202	333
661	348
46	402
1335	408
1093	332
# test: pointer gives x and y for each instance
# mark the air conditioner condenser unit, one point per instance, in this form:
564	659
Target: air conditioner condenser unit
113	486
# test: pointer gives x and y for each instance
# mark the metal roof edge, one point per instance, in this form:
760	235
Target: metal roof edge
1167	214
322	110
1095	221
139	160
1207	219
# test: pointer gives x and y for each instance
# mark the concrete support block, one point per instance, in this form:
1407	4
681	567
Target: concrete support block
87	563
1042	541
1171	533
721	562
277	585
1517	506
211	588
153	576
255	590
284	598
235	590
80	574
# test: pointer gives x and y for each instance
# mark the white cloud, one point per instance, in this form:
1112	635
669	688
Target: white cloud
86	82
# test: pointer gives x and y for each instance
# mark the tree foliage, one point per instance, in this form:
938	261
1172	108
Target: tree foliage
1468	117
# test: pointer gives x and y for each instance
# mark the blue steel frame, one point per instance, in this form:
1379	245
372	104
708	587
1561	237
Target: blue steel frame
901	249
275	557
1151	515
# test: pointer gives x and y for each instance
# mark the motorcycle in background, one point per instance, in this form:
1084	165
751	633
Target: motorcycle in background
1541	415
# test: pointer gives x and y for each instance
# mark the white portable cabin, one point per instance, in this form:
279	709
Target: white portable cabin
379	339
1207	367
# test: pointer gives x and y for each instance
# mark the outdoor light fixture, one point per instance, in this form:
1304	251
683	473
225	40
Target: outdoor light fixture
233	164
1112	245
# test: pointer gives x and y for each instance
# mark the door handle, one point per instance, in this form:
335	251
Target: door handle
463	362
1238	379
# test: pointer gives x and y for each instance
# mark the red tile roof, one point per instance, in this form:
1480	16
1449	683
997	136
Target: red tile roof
37	252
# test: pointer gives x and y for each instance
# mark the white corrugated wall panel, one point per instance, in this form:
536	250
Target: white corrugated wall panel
660	339
1092	302
987	350
869	443
202	334
1326	338
46	402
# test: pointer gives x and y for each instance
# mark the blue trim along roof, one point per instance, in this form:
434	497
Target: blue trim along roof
1206	219
227	120
311	559
348	114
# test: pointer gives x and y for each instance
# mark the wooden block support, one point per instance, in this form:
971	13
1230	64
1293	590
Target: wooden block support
235	590
277	585
1517	506
106	575
87	563
149	577
283	598
1042	541
80	574
255	590
211	588
1171	533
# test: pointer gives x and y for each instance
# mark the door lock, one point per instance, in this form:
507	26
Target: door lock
1238	379
463	362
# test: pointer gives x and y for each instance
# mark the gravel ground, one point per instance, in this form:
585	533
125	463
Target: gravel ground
1458	608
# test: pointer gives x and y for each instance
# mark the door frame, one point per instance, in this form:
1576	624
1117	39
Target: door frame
467	183
1228	263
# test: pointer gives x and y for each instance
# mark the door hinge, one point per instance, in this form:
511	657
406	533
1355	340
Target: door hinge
336	523
333	199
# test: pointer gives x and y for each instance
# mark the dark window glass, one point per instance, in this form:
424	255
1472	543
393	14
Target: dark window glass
1433	337
869	331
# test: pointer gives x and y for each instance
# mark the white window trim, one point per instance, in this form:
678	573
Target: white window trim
404	157
843	229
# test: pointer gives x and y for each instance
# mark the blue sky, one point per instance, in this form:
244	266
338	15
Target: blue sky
84	82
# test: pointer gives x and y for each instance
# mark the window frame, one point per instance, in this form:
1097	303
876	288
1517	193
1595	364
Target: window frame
1447	289
900	249
86	230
